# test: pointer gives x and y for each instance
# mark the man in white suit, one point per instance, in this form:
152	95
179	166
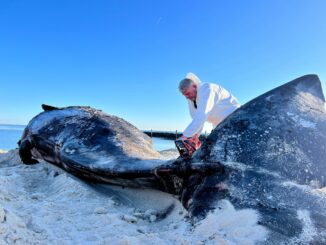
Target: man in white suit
207	102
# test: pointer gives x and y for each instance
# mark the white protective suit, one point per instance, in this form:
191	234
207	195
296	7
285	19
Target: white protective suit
214	103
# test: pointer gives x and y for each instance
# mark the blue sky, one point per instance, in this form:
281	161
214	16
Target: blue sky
127	57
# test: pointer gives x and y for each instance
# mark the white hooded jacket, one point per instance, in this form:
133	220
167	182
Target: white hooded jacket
214	103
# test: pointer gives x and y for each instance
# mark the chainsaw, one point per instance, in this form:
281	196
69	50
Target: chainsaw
187	147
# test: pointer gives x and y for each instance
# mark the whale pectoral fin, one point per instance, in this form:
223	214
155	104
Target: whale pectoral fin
49	107
25	153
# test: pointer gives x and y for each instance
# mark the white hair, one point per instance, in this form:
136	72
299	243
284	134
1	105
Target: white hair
190	79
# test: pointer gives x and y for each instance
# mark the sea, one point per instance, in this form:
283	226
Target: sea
10	134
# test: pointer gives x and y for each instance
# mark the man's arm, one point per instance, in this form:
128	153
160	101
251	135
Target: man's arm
205	105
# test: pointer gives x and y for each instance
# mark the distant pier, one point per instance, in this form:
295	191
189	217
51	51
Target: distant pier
169	135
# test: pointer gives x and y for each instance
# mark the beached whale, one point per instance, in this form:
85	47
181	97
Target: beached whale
268	156
91	144
273	152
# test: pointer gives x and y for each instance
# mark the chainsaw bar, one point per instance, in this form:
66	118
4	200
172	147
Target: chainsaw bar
183	151
187	147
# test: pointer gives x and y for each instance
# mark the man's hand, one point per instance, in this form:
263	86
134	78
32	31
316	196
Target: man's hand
196	136
182	138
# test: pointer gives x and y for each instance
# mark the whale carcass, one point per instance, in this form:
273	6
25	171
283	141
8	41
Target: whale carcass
92	145
269	155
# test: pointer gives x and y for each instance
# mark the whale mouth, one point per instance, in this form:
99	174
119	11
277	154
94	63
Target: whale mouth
25	154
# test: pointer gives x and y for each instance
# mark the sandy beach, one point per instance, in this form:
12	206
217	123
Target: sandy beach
42	204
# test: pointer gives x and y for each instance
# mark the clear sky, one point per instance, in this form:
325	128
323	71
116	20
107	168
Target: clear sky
127	57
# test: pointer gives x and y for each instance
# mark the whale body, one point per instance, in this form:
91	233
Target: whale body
269	155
